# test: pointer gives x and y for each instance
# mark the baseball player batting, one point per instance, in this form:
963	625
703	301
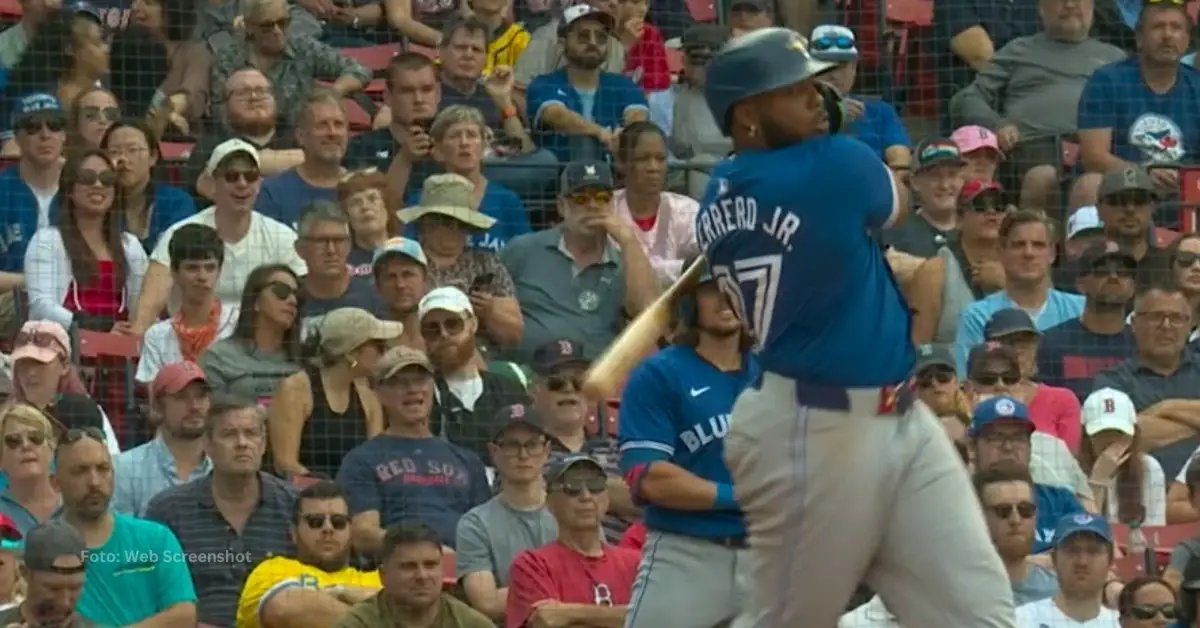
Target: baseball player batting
836	487
674	419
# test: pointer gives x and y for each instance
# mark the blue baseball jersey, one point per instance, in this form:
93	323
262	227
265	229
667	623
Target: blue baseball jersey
676	408
786	233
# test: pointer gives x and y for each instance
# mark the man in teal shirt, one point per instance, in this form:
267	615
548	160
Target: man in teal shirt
136	571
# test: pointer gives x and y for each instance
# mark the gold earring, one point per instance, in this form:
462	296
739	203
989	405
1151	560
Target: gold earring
352	362
752	130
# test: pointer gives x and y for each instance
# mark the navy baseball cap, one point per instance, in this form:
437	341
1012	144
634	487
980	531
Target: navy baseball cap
38	102
934	355
586	175
983	353
997	409
559	465
557	353
519	414
1106	250
1009	321
1084	523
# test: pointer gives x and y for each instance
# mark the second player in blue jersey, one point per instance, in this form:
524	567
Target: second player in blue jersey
837	487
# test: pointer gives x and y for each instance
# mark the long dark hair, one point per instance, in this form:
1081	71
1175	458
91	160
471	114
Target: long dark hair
1131	505
83	261
248	314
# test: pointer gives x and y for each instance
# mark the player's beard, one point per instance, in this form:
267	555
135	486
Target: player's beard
777	136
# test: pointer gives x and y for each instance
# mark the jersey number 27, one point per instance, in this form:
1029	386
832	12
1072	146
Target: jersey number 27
752	285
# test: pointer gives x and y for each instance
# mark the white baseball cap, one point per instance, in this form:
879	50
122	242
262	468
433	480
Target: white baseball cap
1086	218
229	148
1108	409
445	298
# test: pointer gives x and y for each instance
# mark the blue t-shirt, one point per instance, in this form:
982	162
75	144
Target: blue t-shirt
1070	356
414	479
1053	502
676	408
498	202
285	194
787	233
1147	127
168	206
1060	307
615	96
141	571
18	219
879	127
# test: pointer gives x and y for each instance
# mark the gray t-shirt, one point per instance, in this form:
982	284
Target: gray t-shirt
235	368
491	535
1040	584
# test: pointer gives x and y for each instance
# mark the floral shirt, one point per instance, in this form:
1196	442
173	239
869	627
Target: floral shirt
304	61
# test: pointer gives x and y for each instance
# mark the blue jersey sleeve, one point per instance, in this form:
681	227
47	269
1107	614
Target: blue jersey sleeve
631	97
866	191
1098	102
542	93
647	429
892	130
969	334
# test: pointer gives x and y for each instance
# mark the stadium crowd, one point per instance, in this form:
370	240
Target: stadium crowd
298	298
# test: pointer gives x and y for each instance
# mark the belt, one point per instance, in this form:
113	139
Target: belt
728	542
838	399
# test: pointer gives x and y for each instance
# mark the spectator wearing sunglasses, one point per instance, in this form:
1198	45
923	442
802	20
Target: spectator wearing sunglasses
491	535
1082	555
1129	484
1009	508
29	189
232	519
1053	410
26	459
1148	602
557	392
1027	248
1184	256
251	239
994	369
578	279
328	408
871	120
318	586
143	575
92	113
1000	436
1072	353
1143	110
579	578
265	345
935	383
965	269
408	473
444	220
1126	205
469	398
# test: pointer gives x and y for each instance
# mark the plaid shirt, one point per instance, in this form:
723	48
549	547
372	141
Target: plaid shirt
605	451
304	61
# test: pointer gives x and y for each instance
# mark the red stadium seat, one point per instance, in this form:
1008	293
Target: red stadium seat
360	120
917	13
1161	538
1130	567
449	571
175	151
304	481
94	344
10	10
376	58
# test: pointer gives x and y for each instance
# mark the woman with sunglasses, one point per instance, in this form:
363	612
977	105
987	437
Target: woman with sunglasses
91	115
68	56
363	195
1128	484
86	271
662	220
443	221
26	458
45	378
322	412
148	207
1148	602
265	345
1184	259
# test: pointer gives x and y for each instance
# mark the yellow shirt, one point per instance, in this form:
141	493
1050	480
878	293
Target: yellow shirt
506	48
276	574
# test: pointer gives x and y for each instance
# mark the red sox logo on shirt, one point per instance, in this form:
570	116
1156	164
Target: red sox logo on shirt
602	595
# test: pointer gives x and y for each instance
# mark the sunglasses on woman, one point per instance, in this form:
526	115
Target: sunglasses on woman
39	339
991	379
595	486
927	379
101	114
88	178
17	441
1147	611
282	291
317	521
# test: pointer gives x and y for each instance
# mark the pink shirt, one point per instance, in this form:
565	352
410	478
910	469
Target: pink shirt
1055	411
673	235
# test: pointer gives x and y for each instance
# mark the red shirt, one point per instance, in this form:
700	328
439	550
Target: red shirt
634	537
649	54
557	572
100	297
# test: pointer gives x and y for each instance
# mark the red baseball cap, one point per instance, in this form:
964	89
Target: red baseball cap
975	187
173	378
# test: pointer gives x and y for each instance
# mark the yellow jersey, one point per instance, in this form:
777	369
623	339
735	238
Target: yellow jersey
506	48
277	574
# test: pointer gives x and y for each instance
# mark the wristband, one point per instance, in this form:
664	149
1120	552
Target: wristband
508	112
725	498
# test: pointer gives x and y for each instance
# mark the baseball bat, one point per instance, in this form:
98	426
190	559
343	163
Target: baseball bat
639	337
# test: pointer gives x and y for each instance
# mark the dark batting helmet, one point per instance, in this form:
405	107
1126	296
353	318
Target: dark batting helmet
762	61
